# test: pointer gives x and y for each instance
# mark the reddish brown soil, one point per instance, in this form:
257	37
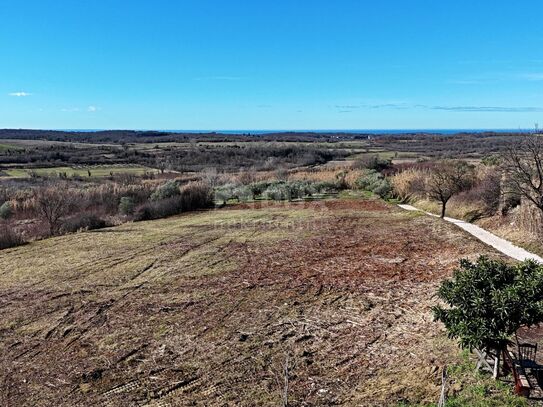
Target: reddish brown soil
344	302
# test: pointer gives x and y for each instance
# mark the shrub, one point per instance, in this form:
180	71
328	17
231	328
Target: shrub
5	210
375	182
485	194
242	193
85	221
258	188
277	192
491	160
195	195
489	300
126	205
9	238
165	191
373	162
159	209
224	193
144	212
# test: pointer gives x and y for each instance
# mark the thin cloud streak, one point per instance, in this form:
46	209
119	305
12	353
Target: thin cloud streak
19	94
501	109
534	76
218	78
474	109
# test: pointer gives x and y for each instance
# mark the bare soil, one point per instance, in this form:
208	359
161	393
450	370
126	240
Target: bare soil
209	308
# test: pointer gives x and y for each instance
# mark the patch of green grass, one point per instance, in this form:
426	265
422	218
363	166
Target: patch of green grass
5	147
470	388
355	194
478	389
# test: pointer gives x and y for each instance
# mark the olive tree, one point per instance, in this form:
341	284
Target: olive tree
488	301
447	179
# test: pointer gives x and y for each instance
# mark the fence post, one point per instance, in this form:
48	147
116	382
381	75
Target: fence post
442	397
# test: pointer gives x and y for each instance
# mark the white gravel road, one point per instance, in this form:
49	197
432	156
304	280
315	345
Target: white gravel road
485	236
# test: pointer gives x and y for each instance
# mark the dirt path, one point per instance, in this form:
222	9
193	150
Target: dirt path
502	245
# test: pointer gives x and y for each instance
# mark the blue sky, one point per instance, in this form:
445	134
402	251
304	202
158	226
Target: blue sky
296	64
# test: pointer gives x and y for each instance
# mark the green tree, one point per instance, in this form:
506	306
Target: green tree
165	191
5	210
126	205
489	300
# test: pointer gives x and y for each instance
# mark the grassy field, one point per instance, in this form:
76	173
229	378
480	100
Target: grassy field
208	308
82	171
5	147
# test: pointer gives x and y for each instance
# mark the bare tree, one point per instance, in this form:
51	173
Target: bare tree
447	179
53	203
523	166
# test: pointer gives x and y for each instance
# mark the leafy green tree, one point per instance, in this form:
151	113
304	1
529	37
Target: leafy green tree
489	300
165	191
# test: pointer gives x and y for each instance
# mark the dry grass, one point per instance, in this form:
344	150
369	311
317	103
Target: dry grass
204	308
327	175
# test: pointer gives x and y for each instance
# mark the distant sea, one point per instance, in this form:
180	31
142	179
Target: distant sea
353	131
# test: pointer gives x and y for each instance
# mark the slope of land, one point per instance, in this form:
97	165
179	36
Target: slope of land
207	308
502	245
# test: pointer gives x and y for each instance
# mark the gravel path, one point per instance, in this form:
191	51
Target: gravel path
490	239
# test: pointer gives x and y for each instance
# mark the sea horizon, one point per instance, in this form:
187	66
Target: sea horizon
271	131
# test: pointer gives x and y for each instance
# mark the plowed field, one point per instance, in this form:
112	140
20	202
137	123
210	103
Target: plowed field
224	307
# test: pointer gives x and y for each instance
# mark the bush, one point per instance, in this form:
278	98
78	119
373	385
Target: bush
9	238
144	212
224	193
85	221
491	160
126	205
373	162
159	209
374	182
195	195
277	192
489	300
485	194
165	191
5	210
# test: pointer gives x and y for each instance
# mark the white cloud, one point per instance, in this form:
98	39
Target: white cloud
19	94
90	108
